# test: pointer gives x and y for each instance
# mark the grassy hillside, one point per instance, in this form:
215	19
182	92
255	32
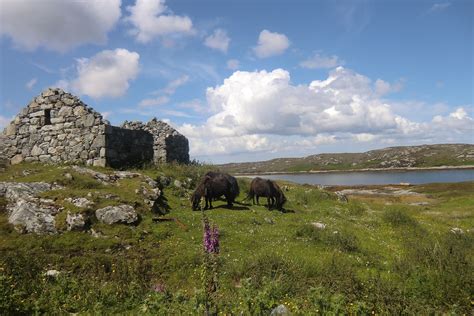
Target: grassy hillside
378	254
393	157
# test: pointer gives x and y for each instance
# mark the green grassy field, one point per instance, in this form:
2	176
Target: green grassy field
377	254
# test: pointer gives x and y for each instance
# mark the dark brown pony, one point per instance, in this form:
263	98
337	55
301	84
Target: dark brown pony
214	185
269	189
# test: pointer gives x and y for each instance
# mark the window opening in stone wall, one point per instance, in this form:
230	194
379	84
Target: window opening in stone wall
47	117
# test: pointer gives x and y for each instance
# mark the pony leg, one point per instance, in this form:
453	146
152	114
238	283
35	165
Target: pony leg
229	200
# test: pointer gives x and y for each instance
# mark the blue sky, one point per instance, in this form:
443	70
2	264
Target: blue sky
252	80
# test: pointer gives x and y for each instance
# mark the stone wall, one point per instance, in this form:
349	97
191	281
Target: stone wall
168	144
128	147
55	126
58	127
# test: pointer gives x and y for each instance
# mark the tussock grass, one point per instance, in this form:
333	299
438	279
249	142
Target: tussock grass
399	217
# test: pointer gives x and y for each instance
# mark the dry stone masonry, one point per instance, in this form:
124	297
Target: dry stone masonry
58	127
168	144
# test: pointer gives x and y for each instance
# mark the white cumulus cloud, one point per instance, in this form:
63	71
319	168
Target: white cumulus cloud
262	111
151	18
106	74
271	44
57	25
318	61
219	40
459	120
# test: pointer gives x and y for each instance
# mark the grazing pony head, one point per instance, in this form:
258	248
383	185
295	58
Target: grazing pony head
200	191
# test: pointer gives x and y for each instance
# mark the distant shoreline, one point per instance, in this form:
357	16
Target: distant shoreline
355	170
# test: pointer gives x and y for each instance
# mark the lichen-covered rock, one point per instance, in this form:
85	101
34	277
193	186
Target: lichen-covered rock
280	310
32	216
14	190
318	225
457	230
52	274
75	221
149	195
341	197
80	202
27	212
117	214
127	174
104	178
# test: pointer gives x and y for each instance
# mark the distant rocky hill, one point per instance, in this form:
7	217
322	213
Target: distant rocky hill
391	157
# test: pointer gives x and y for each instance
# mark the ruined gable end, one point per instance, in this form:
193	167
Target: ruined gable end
168	144
58	127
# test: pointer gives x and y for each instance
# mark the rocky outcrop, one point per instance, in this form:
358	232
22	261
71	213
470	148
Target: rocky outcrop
402	157
58	127
80	202
117	214
33	216
14	191
27	213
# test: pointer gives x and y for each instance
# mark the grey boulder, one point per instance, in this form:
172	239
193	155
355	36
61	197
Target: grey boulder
14	191
75	221
117	214
280	310
32	217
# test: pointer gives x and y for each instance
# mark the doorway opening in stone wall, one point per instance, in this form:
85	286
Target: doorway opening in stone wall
47	117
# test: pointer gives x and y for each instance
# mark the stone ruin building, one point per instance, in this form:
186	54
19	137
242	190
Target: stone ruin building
58	127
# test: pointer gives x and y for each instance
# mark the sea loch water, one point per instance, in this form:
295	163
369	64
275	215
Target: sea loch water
377	177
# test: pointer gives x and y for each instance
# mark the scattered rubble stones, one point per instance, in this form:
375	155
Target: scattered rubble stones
80	202
30	214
